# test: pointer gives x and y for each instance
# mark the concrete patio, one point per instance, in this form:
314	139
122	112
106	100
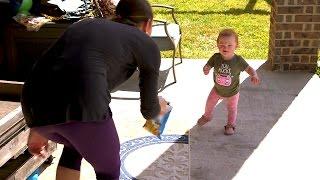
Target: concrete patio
276	135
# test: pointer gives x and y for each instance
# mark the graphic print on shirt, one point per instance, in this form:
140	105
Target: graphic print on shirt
223	76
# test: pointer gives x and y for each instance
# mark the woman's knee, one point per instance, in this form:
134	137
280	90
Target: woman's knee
70	158
110	171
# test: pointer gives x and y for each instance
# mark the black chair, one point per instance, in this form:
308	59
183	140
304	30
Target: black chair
167	35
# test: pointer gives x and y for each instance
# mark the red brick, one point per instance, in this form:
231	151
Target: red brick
303	67
289	27
278	35
275	67
309	35
285	51
307	27
286	59
288	18
277	59
316	27
316	18
287	43
279	2
307	2
307	18
303	18
286	67
298	23
313	59
278	51
315	43
287	35
306	43
290	10
279	18
309	9
296	59
305	59
291	2
304	51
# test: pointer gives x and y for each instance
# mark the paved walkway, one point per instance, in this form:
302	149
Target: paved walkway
275	138
277	132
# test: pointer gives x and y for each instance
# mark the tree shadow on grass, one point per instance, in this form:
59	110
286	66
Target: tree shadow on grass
252	3
232	11
249	9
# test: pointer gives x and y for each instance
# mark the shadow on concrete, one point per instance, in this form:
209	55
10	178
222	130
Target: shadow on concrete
176	155
132	86
216	156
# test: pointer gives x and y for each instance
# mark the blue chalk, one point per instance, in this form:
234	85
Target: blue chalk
34	175
163	121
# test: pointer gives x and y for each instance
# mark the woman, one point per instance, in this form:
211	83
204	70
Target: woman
66	98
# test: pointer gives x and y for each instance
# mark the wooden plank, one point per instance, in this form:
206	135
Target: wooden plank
10	120
10	88
7	106
25	164
13	135
13	164
13	128
6	136
13	147
32	164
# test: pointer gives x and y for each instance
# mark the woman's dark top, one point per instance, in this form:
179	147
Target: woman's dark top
73	79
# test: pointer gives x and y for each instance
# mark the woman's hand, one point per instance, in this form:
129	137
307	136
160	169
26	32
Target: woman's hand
163	105
37	144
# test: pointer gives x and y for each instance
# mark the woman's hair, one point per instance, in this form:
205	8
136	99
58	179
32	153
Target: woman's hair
133	12
227	33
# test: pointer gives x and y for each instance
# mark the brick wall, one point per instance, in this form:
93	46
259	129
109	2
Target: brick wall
294	35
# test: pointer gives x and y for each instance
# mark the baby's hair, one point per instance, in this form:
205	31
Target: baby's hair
228	33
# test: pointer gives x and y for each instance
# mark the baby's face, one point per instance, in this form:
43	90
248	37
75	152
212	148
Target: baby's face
227	45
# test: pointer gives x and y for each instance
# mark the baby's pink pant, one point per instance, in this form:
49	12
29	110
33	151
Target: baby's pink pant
232	106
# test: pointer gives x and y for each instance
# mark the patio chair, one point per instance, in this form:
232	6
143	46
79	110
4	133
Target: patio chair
167	35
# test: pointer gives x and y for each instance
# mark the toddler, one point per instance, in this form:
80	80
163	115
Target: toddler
227	67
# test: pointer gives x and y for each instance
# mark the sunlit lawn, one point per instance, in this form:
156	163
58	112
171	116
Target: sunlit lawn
201	21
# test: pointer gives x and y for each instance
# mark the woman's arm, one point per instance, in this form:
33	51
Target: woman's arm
149	65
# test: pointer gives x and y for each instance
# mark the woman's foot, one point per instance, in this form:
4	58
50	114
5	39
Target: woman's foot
229	129
202	121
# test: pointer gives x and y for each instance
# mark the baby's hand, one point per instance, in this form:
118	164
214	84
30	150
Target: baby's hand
206	69
255	80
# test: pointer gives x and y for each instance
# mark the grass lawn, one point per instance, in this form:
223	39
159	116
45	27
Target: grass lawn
201	20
